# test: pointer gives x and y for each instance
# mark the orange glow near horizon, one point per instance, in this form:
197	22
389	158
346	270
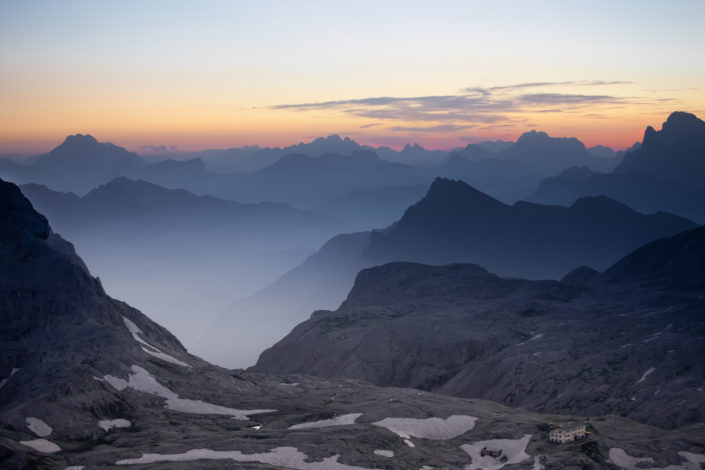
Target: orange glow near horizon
383	73
619	132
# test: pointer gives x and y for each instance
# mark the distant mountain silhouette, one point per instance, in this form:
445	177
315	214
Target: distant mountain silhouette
135	233
554	154
627	341
412	155
474	152
78	164
363	209
306	181
496	146
667	172
602	151
252	158
457	223
676	152
506	179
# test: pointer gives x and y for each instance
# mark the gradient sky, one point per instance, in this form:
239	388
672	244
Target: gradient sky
209	74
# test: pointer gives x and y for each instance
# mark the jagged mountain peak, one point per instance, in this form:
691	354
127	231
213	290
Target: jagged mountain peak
676	152
683	122
80	139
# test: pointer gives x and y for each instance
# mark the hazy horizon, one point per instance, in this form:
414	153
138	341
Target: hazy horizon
227	74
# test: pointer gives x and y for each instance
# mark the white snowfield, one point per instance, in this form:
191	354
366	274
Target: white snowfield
621	459
509	451
5	380
148	348
646	374
383	453
108	424
42	445
337	421
38	427
429	428
142	381
284	457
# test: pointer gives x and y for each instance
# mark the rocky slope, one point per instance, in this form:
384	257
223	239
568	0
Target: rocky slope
89	382
629	341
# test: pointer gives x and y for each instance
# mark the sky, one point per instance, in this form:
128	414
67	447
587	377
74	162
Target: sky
216	74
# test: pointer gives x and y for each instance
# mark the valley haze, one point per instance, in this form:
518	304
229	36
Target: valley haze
352	235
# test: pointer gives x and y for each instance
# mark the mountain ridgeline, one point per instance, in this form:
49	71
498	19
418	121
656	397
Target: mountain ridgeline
453	223
89	382
196	253
667	173
627	341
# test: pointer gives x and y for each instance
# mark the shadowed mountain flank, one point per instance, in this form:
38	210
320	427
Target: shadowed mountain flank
627	341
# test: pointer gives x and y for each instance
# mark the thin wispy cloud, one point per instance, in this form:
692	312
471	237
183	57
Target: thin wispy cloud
442	128
519	86
473	106
561	98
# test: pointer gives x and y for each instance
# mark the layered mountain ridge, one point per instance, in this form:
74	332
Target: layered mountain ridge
665	173
90	382
627	341
453	223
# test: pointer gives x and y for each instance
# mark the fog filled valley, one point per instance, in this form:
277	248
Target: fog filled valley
231	277
503	286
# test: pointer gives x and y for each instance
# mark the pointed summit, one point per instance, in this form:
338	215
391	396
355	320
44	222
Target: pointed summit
450	193
676	152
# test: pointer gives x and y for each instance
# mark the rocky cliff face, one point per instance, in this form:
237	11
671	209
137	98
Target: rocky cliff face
628	341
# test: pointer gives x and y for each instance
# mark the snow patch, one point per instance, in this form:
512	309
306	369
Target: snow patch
337	421
75	467
38	427
645	374
429	428
538	336
142	381
285	457
621	459
384	453
148	348
498	453
42	445
108	424
6	379
409	443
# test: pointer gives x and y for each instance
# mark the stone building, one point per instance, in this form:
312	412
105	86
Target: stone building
568	432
